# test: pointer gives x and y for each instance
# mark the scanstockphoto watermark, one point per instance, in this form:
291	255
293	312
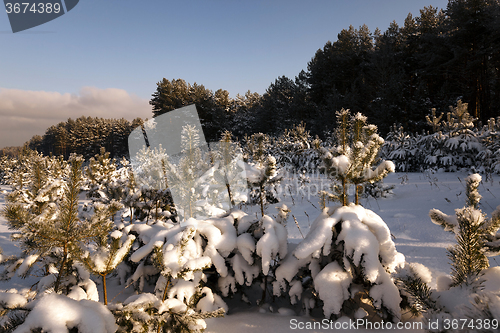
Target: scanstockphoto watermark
327	324
25	15
434	324
309	184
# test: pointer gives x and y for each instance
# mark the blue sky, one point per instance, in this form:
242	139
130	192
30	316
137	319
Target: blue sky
118	50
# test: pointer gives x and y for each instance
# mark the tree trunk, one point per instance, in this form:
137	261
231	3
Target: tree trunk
264	292
61	269
262	200
160	325
104	289
344	192
356	194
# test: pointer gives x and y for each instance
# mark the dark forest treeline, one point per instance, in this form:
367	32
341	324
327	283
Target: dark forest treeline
395	76
11	151
86	136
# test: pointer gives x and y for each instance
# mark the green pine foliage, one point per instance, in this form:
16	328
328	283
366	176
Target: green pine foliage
476	235
433	120
477	238
101	175
105	253
262	170
149	315
352	161
455	144
467	256
415	291
490	155
53	230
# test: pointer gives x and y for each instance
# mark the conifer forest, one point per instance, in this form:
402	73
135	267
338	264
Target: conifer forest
363	194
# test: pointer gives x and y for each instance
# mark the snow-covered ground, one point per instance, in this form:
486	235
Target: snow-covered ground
405	212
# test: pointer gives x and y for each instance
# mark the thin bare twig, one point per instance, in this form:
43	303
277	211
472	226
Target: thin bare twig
298	227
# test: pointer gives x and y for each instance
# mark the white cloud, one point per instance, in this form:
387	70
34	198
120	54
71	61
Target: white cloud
25	113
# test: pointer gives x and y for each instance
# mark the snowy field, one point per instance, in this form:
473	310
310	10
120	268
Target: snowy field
405	212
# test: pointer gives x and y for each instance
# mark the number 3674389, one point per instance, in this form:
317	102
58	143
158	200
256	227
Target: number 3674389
34	8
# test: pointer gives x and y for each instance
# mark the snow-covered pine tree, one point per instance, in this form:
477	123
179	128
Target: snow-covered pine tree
413	282
53	232
403	150
148	167
476	235
149	194
352	161
462	144
29	175
260	176
225	153
185	177
239	251
260	246
35	185
344	263
131	191
434	121
433	151
180	254
101	174
256	147
227	185
454	144
459	118
460	296
182	267
104	253
9	166
346	259
294	149
262	173
490	155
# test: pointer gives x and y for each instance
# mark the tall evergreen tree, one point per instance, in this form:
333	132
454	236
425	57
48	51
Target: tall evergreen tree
471	27
212	110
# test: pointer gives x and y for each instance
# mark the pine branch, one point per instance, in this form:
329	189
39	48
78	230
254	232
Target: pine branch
419	293
449	223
